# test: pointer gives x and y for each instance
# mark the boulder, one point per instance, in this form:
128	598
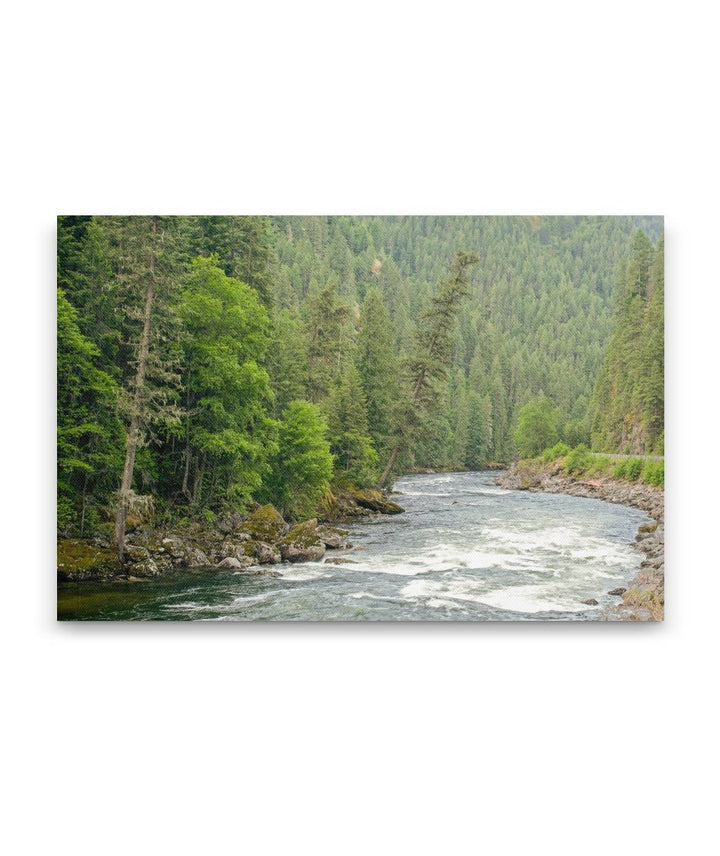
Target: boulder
590	602
265	524
230	523
332	537
146	568
266	554
375	500
617	591
230	562
340	560
237	547
302	543
79	559
195	558
136	554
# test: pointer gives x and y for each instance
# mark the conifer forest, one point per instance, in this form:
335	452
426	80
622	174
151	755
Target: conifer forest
208	363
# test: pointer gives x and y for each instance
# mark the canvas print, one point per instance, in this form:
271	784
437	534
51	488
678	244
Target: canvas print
360	418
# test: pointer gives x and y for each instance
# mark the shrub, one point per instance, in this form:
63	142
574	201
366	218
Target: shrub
634	468
621	470
600	465
654	473
559	450
536	427
579	460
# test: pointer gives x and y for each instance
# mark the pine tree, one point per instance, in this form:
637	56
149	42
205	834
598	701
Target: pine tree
146	273
429	363
462	422
326	318
302	466
628	398
479	440
348	431
88	431
653	353
377	367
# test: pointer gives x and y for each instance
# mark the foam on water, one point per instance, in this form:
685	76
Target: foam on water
464	550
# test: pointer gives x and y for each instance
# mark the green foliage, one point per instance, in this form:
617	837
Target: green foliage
559	450
89	439
600	465
377	367
633	469
302	466
536	427
251	314
576	431
628	402
327	334
479	442
654	473
579	460
350	440
228	433
620	471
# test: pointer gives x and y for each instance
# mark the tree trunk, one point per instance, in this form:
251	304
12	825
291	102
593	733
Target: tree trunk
134	428
390	465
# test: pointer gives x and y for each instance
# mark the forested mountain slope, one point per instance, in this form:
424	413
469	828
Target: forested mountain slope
538	317
220	360
629	400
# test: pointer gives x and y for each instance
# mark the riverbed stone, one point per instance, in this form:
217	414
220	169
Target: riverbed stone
146	568
230	563
375	500
265	524
266	554
332	537
79	559
302	543
193	557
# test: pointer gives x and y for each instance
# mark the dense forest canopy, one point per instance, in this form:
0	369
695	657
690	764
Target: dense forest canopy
208	362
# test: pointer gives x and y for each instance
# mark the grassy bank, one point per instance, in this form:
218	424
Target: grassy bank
580	462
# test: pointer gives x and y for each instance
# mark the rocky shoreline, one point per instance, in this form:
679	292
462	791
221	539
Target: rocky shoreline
644	599
249	544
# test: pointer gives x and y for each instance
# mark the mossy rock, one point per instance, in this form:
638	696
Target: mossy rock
375	500
80	560
332	537
302	543
265	524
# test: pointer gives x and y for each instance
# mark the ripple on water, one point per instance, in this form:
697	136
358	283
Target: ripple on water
464	550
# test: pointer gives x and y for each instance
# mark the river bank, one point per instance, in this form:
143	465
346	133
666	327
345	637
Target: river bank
644	598
464	550
246	544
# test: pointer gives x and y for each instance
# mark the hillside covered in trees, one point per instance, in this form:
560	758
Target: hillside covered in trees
208	362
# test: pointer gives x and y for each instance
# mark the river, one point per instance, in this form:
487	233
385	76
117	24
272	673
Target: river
465	550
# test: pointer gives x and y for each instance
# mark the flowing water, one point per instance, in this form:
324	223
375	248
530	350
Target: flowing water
465	550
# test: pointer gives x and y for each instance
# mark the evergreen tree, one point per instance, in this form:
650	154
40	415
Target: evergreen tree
479	440
287	361
88	431
326	317
428	364
302	466
377	367
147	274
628	401
462	422
349	435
